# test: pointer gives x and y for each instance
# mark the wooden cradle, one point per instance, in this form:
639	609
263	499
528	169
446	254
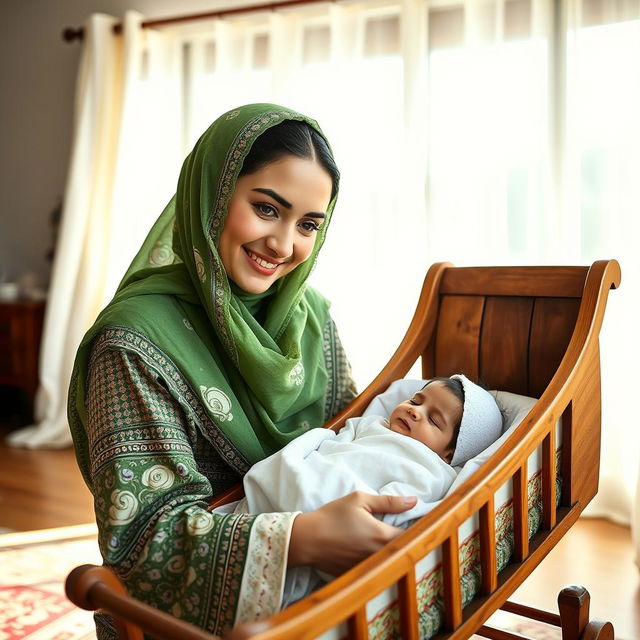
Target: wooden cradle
529	330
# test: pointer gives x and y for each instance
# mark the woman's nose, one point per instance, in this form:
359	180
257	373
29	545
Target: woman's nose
280	242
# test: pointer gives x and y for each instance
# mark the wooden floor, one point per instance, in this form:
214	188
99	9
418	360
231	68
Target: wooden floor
42	489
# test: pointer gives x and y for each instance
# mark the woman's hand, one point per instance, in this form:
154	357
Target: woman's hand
343	532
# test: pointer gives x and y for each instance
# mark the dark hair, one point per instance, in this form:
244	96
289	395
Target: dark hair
296	138
455	386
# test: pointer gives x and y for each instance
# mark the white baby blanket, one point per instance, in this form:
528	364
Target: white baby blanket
321	466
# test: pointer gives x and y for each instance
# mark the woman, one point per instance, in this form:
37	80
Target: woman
212	355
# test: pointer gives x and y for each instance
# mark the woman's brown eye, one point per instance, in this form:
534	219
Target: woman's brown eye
266	210
309	226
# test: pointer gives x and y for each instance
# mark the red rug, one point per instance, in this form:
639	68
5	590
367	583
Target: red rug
34	566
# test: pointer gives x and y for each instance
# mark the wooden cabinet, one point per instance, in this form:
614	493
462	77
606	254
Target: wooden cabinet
20	334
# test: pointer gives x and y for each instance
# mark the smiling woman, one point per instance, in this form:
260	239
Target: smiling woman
213	354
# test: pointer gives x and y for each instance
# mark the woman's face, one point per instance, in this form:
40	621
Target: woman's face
273	219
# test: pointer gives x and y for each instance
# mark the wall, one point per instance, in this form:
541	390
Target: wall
37	80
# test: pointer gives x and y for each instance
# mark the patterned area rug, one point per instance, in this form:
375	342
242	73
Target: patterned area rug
526	628
33	605
34	566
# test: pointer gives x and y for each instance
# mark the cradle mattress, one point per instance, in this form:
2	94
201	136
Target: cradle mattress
382	611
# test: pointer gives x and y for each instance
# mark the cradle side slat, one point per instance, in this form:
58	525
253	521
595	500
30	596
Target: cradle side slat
549	480
520	514
451	582
408	598
358	625
488	547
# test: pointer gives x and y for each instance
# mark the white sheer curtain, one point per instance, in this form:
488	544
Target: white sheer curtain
476	131
602	201
127	90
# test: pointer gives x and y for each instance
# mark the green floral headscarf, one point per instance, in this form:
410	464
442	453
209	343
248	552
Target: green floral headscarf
262	383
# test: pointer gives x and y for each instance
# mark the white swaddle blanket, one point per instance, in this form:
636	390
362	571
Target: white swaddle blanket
321	466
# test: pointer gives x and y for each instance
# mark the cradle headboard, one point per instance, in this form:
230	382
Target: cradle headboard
509	327
506	326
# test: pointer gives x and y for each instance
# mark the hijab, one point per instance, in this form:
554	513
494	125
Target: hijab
255	361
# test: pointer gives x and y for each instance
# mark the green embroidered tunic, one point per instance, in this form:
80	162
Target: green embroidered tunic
152	473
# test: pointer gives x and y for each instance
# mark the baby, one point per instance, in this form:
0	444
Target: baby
410	453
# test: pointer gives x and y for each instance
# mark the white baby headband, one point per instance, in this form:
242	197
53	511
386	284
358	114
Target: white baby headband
481	422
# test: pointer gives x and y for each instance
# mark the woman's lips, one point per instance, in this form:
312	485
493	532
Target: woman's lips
260	264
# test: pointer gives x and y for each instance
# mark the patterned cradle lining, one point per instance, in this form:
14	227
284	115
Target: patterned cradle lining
384	624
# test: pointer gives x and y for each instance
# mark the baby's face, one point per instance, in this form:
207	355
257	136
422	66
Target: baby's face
429	416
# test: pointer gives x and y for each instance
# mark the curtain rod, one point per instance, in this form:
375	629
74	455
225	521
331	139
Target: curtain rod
70	34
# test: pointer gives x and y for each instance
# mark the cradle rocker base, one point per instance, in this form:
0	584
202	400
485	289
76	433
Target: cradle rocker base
573	604
92	587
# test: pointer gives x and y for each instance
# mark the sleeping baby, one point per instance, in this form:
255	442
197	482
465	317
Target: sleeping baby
413	452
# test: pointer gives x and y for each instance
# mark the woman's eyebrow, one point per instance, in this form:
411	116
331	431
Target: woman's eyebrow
285	203
276	196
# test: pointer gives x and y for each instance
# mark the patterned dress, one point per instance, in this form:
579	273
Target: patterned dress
155	463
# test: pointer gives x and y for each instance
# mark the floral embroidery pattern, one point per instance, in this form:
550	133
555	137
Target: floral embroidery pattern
265	572
200	268
161	255
341	388
158	478
218	402
296	375
123	509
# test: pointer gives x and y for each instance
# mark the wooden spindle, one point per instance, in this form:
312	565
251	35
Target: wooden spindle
549	480
451	582
408	599
358	625
488	547
520	514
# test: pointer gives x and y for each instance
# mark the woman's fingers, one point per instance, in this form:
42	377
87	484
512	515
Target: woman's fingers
344	532
388	504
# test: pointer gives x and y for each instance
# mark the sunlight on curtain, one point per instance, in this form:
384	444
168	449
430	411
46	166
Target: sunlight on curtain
152	97
488	140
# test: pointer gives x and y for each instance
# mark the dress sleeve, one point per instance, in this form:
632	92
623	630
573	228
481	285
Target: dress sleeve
341	388
152	474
